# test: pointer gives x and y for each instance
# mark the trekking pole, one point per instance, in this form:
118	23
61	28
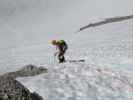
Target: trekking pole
55	57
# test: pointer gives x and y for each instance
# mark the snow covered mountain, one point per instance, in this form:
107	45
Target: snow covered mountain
28	26
106	73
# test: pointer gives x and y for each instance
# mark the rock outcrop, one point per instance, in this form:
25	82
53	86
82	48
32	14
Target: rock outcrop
28	70
106	21
11	89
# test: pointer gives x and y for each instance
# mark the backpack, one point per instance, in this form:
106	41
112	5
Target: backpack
62	42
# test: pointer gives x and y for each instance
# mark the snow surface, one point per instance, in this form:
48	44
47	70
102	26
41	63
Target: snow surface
106	73
28	26
80	81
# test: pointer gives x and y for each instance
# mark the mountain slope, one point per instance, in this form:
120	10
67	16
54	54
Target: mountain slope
106	73
107	50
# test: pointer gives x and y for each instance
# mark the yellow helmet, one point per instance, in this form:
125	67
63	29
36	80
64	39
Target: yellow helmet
53	42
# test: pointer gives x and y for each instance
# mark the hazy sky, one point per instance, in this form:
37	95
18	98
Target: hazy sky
25	21
16	10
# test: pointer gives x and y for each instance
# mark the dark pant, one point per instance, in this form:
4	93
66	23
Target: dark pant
61	57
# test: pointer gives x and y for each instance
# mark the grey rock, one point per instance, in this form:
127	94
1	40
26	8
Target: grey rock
28	70
11	89
35	96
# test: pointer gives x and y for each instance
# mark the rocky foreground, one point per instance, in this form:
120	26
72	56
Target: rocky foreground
11	89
